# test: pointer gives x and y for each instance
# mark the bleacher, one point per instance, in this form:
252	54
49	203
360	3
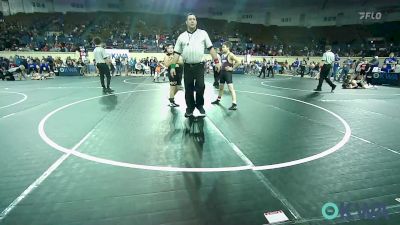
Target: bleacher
137	32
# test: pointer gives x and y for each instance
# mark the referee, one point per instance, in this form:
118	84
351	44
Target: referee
102	59
327	59
190	45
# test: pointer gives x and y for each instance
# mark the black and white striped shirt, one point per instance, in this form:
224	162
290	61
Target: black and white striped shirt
328	57
192	45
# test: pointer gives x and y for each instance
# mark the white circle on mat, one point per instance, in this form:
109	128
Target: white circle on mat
341	143
15	103
343	93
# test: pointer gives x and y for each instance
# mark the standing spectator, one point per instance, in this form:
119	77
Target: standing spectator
118	66
96	70
124	63
132	63
335	69
303	64
153	65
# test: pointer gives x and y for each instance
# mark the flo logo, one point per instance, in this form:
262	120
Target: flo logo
354	211
370	15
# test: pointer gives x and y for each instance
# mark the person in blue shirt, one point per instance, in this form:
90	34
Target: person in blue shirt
132	63
295	64
44	67
347	64
337	58
17	60
32	67
336	66
389	62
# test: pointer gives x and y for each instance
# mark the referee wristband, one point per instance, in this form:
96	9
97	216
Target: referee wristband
173	66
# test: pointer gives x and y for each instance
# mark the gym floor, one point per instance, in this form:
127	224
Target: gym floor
71	155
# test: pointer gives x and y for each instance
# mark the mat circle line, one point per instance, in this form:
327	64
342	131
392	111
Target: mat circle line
311	91
50	142
15	103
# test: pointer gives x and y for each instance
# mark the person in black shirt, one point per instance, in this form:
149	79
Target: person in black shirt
118	65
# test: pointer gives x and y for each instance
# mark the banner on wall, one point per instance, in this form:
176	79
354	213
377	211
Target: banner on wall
386	78
69	71
118	53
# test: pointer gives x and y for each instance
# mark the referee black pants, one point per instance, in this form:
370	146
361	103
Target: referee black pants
262	71
324	75
104	70
194	82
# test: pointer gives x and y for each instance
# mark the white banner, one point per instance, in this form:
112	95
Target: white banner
117	53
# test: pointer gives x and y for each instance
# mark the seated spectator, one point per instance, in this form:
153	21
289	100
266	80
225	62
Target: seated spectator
397	68
389	63
32	67
44	67
295	64
81	66
139	67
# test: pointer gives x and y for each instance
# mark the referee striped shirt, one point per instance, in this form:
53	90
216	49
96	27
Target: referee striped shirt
191	45
328	57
